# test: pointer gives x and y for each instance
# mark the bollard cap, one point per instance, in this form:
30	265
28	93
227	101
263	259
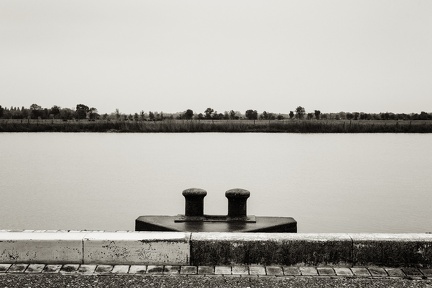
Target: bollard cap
194	192
237	193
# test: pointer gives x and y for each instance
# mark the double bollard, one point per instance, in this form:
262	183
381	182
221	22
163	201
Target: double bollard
237	199
237	220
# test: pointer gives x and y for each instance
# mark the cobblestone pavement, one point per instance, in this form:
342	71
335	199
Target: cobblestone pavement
75	275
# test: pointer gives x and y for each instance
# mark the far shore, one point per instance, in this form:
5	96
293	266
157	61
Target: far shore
228	126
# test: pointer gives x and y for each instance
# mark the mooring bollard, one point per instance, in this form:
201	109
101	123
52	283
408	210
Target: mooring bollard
194	201
237	202
237	220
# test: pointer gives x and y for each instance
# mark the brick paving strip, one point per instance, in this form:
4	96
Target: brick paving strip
236	270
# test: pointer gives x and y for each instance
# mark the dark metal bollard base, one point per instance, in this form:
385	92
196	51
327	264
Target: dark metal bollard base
261	224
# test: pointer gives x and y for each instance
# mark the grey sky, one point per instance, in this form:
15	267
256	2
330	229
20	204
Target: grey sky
274	55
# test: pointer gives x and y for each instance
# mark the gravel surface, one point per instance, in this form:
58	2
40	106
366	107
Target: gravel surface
57	280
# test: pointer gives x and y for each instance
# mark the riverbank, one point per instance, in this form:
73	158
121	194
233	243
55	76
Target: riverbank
229	126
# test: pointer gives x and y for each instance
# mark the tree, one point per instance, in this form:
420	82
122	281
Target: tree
81	111
66	114
55	110
226	115
291	114
300	112
232	115
208	113
36	111
93	113
317	114
280	117
356	115
251	114
151	115
310	116
1	111
188	114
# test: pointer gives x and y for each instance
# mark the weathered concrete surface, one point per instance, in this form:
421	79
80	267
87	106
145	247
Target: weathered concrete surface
137	248
394	250
46	247
270	248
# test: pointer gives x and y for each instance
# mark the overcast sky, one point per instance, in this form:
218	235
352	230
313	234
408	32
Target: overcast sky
273	55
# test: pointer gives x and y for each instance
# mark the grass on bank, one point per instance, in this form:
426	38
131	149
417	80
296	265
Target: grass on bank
182	126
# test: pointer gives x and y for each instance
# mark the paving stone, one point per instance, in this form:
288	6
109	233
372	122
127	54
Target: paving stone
240	270
206	270
361	272
274	270
35	268
171	269
120	269
17	268
189	270
395	272
412	272
427	272
326	271
308	271
69	268
52	268
87	269
137	269
103	269
155	269
291	271
224	270
377	272
343	271
257	270
4	267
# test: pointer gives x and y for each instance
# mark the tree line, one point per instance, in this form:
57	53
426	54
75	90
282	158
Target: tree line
82	111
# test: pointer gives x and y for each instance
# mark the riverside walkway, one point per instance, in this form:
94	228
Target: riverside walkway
76	275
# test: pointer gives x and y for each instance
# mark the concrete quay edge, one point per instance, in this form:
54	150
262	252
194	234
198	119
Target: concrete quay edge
213	249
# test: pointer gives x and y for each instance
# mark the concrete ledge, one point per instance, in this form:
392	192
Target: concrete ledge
394	250
270	248
34	247
137	248
59	247
213	249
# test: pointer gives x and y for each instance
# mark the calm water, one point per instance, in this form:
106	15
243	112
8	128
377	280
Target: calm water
327	182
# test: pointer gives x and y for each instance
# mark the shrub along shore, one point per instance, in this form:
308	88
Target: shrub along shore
228	126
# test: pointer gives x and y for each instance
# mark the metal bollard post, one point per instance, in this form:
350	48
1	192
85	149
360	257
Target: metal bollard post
237	202
194	201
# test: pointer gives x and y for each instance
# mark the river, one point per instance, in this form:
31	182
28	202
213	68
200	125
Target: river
327	182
